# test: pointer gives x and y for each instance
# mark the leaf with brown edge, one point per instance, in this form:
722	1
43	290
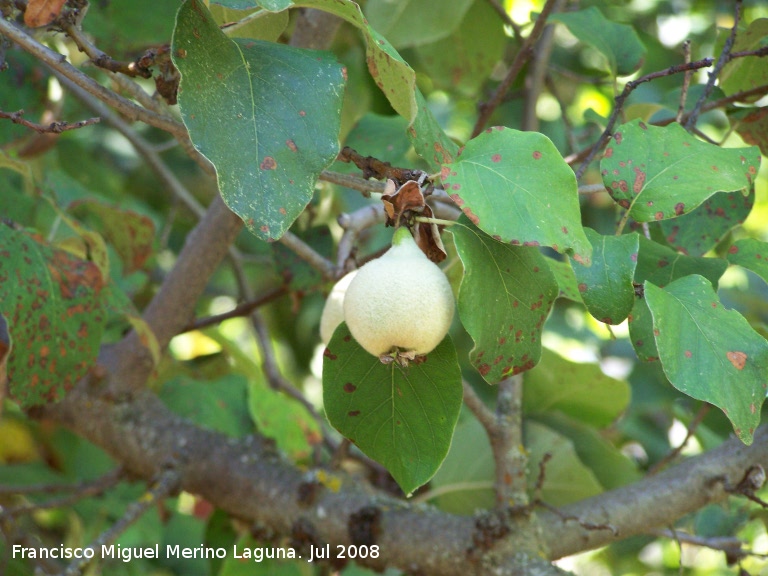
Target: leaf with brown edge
54	305
42	12
504	300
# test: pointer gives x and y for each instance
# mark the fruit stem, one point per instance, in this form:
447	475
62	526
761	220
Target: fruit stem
439	221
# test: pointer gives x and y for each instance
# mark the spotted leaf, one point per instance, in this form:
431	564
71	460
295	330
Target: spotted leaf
661	266
402	417
663	172
708	352
751	254
267	116
516	187
505	296
53	303
606	286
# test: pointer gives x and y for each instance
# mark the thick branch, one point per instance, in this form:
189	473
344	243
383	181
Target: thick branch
173	306
260	486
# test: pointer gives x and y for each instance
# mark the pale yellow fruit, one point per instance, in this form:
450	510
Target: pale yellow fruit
333	311
400	300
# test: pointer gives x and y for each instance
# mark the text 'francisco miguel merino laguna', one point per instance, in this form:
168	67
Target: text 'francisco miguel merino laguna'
128	553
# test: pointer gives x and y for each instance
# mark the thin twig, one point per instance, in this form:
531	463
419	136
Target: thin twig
728	544
238	311
52	128
690	432
144	148
309	255
522	56
353	182
721	61
507	19
483	414
375	168
619	105
100	58
537	73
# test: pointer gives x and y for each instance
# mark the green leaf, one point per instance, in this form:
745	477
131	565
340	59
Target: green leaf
516	187
566	279
661	265
581	391
465	480
745	73
752	126
265	114
619	43
264	27
465	58
606	286
663	172
428	138
566	478
53	303
708	352
391	73
401	417
751	254
284	419
132	235
697	232
414	22
217	404
611	468
515	283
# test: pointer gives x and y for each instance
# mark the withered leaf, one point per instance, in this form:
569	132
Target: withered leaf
42	12
408	197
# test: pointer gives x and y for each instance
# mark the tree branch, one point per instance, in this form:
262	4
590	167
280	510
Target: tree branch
522	56
655	501
59	63
52	128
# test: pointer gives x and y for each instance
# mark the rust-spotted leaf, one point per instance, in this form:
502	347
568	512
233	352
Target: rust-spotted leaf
53	302
516	187
751	254
663	172
402	417
131	234
709	352
504	300
245	105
